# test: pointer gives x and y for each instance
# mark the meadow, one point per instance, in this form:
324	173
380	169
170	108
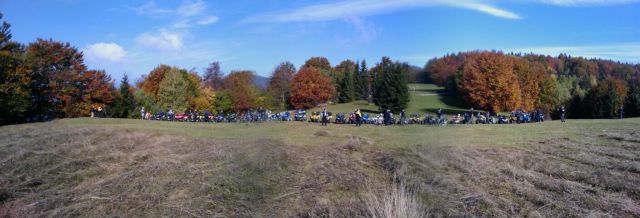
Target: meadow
123	167
425	98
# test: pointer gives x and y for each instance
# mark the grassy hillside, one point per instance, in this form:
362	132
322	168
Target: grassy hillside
115	167
425	98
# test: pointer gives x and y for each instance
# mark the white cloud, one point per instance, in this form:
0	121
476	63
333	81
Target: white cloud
361	8
207	20
191	8
586	2
162	40
102	51
488	9
627	52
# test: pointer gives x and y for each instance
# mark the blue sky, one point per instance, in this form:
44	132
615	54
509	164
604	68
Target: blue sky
132	37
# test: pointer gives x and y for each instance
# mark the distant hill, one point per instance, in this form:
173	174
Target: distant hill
260	81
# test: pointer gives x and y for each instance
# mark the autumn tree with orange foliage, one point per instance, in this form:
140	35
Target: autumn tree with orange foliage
321	63
150	84
56	79
98	90
240	88
529	75
486	80
309	88
443	70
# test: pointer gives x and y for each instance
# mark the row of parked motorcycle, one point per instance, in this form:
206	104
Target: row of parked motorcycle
261	115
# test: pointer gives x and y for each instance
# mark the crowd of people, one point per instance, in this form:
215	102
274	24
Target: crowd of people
357	117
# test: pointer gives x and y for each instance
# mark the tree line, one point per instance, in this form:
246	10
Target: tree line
494	81
48	79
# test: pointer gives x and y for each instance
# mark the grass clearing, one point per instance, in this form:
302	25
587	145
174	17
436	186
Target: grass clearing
425	98
120	167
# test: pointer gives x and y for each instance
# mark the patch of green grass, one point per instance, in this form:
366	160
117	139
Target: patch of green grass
363	105
302	133
425	98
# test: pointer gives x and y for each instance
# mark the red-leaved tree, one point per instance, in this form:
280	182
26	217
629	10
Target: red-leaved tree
309	88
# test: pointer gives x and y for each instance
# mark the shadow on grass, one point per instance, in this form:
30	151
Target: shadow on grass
434	90
452	100
454	104
447	111
369	111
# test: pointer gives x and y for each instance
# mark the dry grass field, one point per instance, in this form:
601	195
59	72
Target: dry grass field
132	168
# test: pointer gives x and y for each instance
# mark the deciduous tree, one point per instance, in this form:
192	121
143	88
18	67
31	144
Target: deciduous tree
173	90
279	83
487	81
241	89
15	95
309	88
213	77
321	63
98	90
442	70
150	84
56	79
529	75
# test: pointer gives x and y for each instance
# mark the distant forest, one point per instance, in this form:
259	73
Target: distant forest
587	88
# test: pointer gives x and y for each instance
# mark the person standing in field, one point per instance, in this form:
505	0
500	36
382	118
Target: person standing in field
562	113
142	113
358	117
621	112
403	117
387	117
324	116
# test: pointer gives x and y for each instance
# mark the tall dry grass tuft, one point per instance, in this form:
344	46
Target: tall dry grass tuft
394	201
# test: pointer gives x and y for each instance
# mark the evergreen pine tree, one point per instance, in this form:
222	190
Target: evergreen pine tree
346	88
366	82
357	81
124	103
632	103
391	91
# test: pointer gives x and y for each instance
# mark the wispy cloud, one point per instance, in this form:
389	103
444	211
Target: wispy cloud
575	3
188	14
207	20
189	22
151	8
191	8
362	8
365	30
627	52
